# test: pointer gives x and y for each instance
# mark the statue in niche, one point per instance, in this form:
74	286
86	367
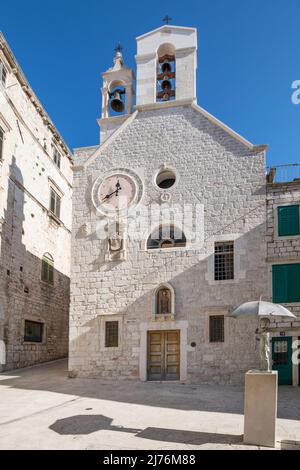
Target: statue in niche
163	301
115	242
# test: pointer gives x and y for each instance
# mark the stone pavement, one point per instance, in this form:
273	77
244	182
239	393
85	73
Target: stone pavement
40	408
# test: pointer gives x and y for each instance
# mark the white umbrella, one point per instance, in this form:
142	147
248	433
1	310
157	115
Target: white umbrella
261	309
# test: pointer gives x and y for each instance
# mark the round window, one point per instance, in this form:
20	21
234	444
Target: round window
165	179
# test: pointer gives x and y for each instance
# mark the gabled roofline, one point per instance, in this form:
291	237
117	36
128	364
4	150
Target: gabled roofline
207	115
108	141
166	26
4	46
170	104
228	129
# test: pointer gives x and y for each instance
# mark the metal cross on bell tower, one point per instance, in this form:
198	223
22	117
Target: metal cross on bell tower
167	19
119	47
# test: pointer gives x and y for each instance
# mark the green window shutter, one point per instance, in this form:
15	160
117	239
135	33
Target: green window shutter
44	271
288	221
52	202
51	270
286	283
57	212
279	277
293	283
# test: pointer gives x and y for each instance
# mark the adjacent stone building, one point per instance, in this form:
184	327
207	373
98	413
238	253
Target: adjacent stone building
35	225
169	222
283	260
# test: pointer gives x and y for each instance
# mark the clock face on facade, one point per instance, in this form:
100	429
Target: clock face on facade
117	191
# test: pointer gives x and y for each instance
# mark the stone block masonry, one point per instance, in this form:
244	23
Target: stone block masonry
213	169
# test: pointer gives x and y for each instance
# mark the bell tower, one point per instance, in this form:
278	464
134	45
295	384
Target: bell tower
117	96
166	65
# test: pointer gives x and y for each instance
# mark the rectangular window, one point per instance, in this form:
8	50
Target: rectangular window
216	329
55	200
286	283
224	261
111	334
56	157
3	74
47	270
33	331
288	221
1	143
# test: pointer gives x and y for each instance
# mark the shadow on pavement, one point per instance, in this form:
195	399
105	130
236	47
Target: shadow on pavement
188	437
88	424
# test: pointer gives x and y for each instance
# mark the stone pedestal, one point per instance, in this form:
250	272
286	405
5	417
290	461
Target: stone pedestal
260	408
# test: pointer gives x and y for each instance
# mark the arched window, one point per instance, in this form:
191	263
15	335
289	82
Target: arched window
166	236
166	72
47	268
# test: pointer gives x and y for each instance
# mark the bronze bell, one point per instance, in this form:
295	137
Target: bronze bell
166	67
116	102
166	85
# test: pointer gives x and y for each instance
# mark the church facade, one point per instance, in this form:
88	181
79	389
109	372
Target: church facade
169	221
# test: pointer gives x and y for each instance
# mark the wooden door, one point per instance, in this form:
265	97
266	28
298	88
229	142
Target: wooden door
164	355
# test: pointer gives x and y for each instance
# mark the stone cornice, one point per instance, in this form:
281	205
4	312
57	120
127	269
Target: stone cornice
120	73
119	119
292	184
4	123
185	51
283	259
17	71
144	57
167	28
164	105
29	194
45	151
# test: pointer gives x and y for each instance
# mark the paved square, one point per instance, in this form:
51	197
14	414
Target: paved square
40	408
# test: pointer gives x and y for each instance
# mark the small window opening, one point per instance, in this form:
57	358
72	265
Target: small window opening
166	179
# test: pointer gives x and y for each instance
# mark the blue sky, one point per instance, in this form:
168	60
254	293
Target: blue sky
248	57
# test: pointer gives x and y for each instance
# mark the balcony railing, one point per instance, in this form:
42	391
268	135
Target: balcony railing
283	173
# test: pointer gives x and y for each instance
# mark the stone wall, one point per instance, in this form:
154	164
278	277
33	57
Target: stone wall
227	180
28	231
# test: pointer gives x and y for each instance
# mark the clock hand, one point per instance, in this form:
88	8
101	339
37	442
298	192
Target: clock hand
114	192
108	195
118	186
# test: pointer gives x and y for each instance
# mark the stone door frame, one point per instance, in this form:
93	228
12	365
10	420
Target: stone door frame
181	326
